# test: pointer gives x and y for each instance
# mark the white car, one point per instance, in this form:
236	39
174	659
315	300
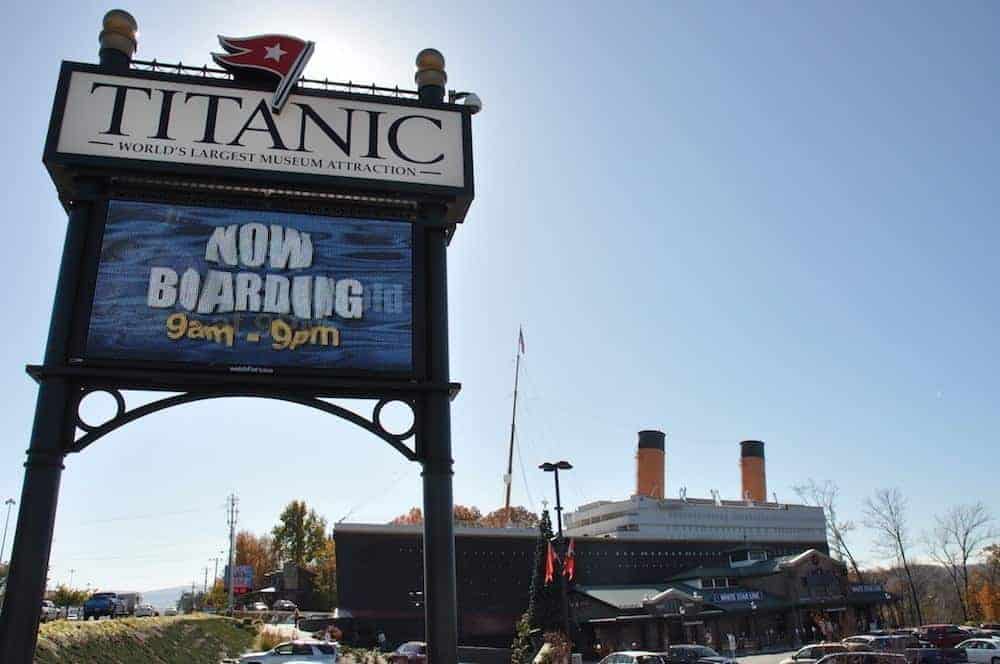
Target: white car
170	611
981	651
814	653
632	657
49	610
300	650
145	611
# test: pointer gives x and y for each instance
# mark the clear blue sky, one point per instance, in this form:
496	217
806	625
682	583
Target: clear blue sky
766	220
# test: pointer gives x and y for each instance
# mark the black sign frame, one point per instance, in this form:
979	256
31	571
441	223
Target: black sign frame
85	184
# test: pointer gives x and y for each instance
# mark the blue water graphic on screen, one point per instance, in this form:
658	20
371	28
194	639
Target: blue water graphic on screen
247	288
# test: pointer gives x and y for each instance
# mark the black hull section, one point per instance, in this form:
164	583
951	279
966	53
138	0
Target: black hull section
380	577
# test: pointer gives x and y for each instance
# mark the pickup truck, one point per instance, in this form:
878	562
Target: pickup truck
104	604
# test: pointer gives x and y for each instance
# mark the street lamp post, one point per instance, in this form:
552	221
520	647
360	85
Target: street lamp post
9	503
554	468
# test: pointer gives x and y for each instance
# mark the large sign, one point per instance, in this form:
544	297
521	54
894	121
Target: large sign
150	120
242	579
252	291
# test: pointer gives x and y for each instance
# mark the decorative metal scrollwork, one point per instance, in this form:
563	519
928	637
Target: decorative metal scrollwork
123	415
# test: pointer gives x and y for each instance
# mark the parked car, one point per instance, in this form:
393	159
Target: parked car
815	652
103	604
302	650
258	606
942	636
283	605
145	611
49	610
691	654
981	651
992	627
933	655
896	643
170	611
859	642
411	652
633	657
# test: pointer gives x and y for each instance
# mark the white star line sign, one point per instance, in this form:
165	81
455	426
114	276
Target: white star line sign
274	52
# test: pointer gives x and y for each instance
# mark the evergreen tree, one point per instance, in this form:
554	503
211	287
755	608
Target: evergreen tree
545	603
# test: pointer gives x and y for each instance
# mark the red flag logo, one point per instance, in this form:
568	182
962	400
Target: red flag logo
550	564
569	563
281	55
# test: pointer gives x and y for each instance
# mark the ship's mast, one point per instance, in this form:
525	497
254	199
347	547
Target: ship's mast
513	422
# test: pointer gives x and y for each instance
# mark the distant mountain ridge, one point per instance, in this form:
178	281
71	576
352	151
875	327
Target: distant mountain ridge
164	597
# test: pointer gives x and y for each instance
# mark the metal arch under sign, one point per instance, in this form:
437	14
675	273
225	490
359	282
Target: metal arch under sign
88	178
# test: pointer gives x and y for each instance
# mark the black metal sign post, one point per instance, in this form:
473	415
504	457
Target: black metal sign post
90	185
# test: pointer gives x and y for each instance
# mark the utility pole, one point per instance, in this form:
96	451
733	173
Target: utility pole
204	589
71	573
9	503
216	560
232	516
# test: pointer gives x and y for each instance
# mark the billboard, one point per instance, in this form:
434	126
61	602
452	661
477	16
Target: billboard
252	290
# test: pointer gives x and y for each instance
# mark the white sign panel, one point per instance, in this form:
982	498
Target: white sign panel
131	117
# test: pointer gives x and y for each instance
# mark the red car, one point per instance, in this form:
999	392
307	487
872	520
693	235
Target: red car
942	636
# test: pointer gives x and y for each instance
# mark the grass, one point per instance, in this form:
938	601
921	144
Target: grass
187	639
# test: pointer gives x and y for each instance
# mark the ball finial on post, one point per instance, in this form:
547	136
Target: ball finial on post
118	40
430	77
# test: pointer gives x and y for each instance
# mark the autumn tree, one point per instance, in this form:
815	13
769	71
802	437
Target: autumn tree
463	516
300	536
519	518
325	569
825	495
959	535
987	584
258	552
217	597
66	596
885	513
414	517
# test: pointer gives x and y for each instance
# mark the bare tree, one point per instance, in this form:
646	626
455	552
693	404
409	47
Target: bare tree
825	495
958	536
885	513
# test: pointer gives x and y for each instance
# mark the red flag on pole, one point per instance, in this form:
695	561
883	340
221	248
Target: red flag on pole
550	564
281	55
569	563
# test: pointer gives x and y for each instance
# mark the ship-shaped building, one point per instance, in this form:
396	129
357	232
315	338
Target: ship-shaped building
650	570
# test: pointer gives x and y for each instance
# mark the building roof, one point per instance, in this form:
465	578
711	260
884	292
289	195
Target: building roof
762	568
622	597
418	529
719	599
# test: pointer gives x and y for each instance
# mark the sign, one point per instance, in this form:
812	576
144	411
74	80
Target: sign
252	291
242	579
867	588
155	121
739	596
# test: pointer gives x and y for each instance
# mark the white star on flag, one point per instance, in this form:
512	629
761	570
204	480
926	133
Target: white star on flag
274	52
